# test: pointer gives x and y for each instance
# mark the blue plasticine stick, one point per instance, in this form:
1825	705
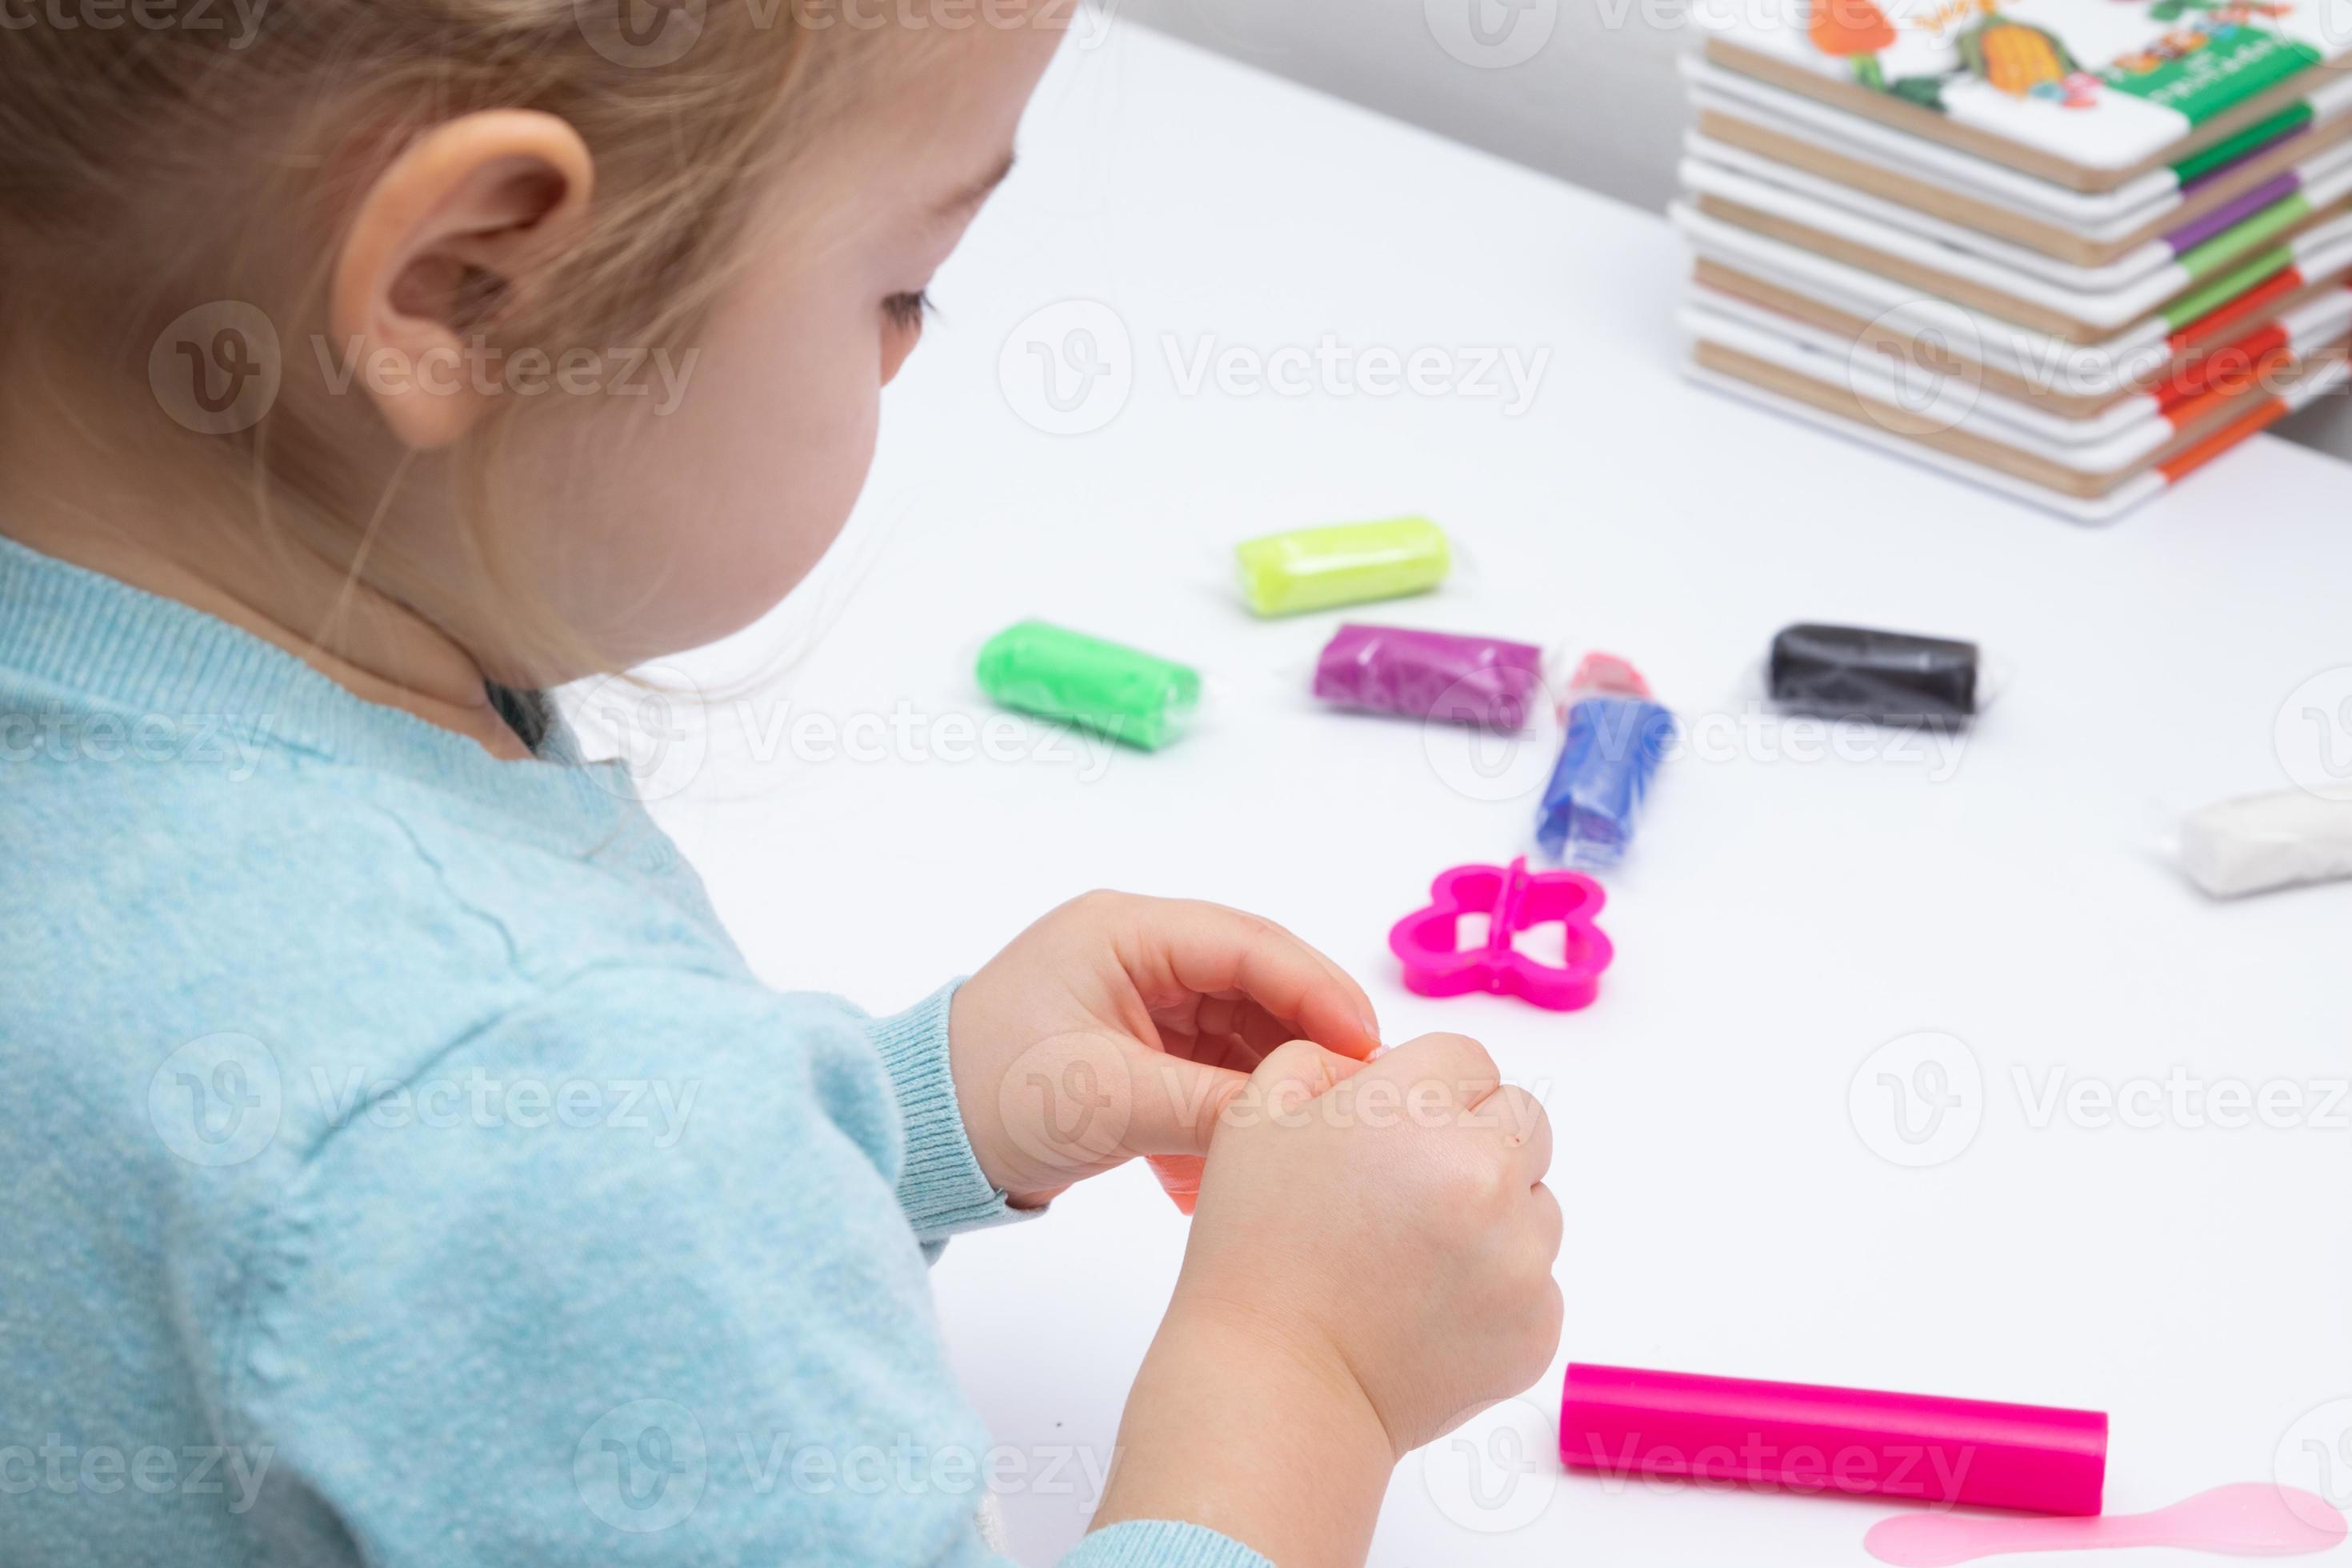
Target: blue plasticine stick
1614	748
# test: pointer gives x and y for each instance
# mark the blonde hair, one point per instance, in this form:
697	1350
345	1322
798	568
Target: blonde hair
145	170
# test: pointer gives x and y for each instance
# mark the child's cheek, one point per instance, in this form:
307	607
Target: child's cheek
704	511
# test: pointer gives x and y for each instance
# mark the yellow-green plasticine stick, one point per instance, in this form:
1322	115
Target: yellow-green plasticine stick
1345	563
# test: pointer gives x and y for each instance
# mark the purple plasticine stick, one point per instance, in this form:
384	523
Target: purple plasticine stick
1430	675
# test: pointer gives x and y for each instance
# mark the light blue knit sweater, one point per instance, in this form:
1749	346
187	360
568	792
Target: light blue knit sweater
402	1166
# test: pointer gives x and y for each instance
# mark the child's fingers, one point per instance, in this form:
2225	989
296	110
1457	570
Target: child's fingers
1230	1031
1180	946
1457	1063
1296	1072
1176	1101
1225	1047
1264	1033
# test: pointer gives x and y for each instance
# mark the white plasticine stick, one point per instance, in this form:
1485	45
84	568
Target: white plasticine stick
2256	843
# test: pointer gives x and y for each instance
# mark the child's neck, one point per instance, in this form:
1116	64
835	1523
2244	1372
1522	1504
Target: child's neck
68	497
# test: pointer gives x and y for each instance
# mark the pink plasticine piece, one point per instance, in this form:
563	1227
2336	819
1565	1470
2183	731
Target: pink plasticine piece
2244	1519
1428	943
1807	1438
1606	673
1180	1178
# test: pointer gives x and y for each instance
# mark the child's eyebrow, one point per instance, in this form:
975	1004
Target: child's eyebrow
972	196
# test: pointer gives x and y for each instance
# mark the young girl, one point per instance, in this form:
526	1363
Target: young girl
403	1165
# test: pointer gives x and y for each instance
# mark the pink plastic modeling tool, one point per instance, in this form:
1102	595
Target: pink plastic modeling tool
1428	942
1804	1437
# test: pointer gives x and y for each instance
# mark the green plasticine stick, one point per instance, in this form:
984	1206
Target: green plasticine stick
1345	563
1116	691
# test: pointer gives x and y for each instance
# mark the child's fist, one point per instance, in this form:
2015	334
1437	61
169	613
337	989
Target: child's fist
1389	1219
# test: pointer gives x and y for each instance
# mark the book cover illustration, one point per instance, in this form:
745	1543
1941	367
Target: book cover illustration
2099	82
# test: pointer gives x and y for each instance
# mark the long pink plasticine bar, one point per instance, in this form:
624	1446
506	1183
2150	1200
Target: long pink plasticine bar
1809	1438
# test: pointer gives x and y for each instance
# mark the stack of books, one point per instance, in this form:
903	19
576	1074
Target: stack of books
2074	249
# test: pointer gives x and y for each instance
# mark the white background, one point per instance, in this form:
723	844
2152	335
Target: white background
1779	920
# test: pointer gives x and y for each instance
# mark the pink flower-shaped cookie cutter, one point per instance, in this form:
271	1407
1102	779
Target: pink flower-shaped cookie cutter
1428	942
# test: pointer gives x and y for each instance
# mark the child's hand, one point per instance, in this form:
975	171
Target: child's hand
1121	1026
1389	1219
1369	1265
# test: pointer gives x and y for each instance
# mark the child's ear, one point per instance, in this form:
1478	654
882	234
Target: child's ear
470	214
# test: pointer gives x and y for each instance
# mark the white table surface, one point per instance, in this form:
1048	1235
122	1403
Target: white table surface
1780	918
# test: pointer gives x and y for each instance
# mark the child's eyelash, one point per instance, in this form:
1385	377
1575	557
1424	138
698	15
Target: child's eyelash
908	310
